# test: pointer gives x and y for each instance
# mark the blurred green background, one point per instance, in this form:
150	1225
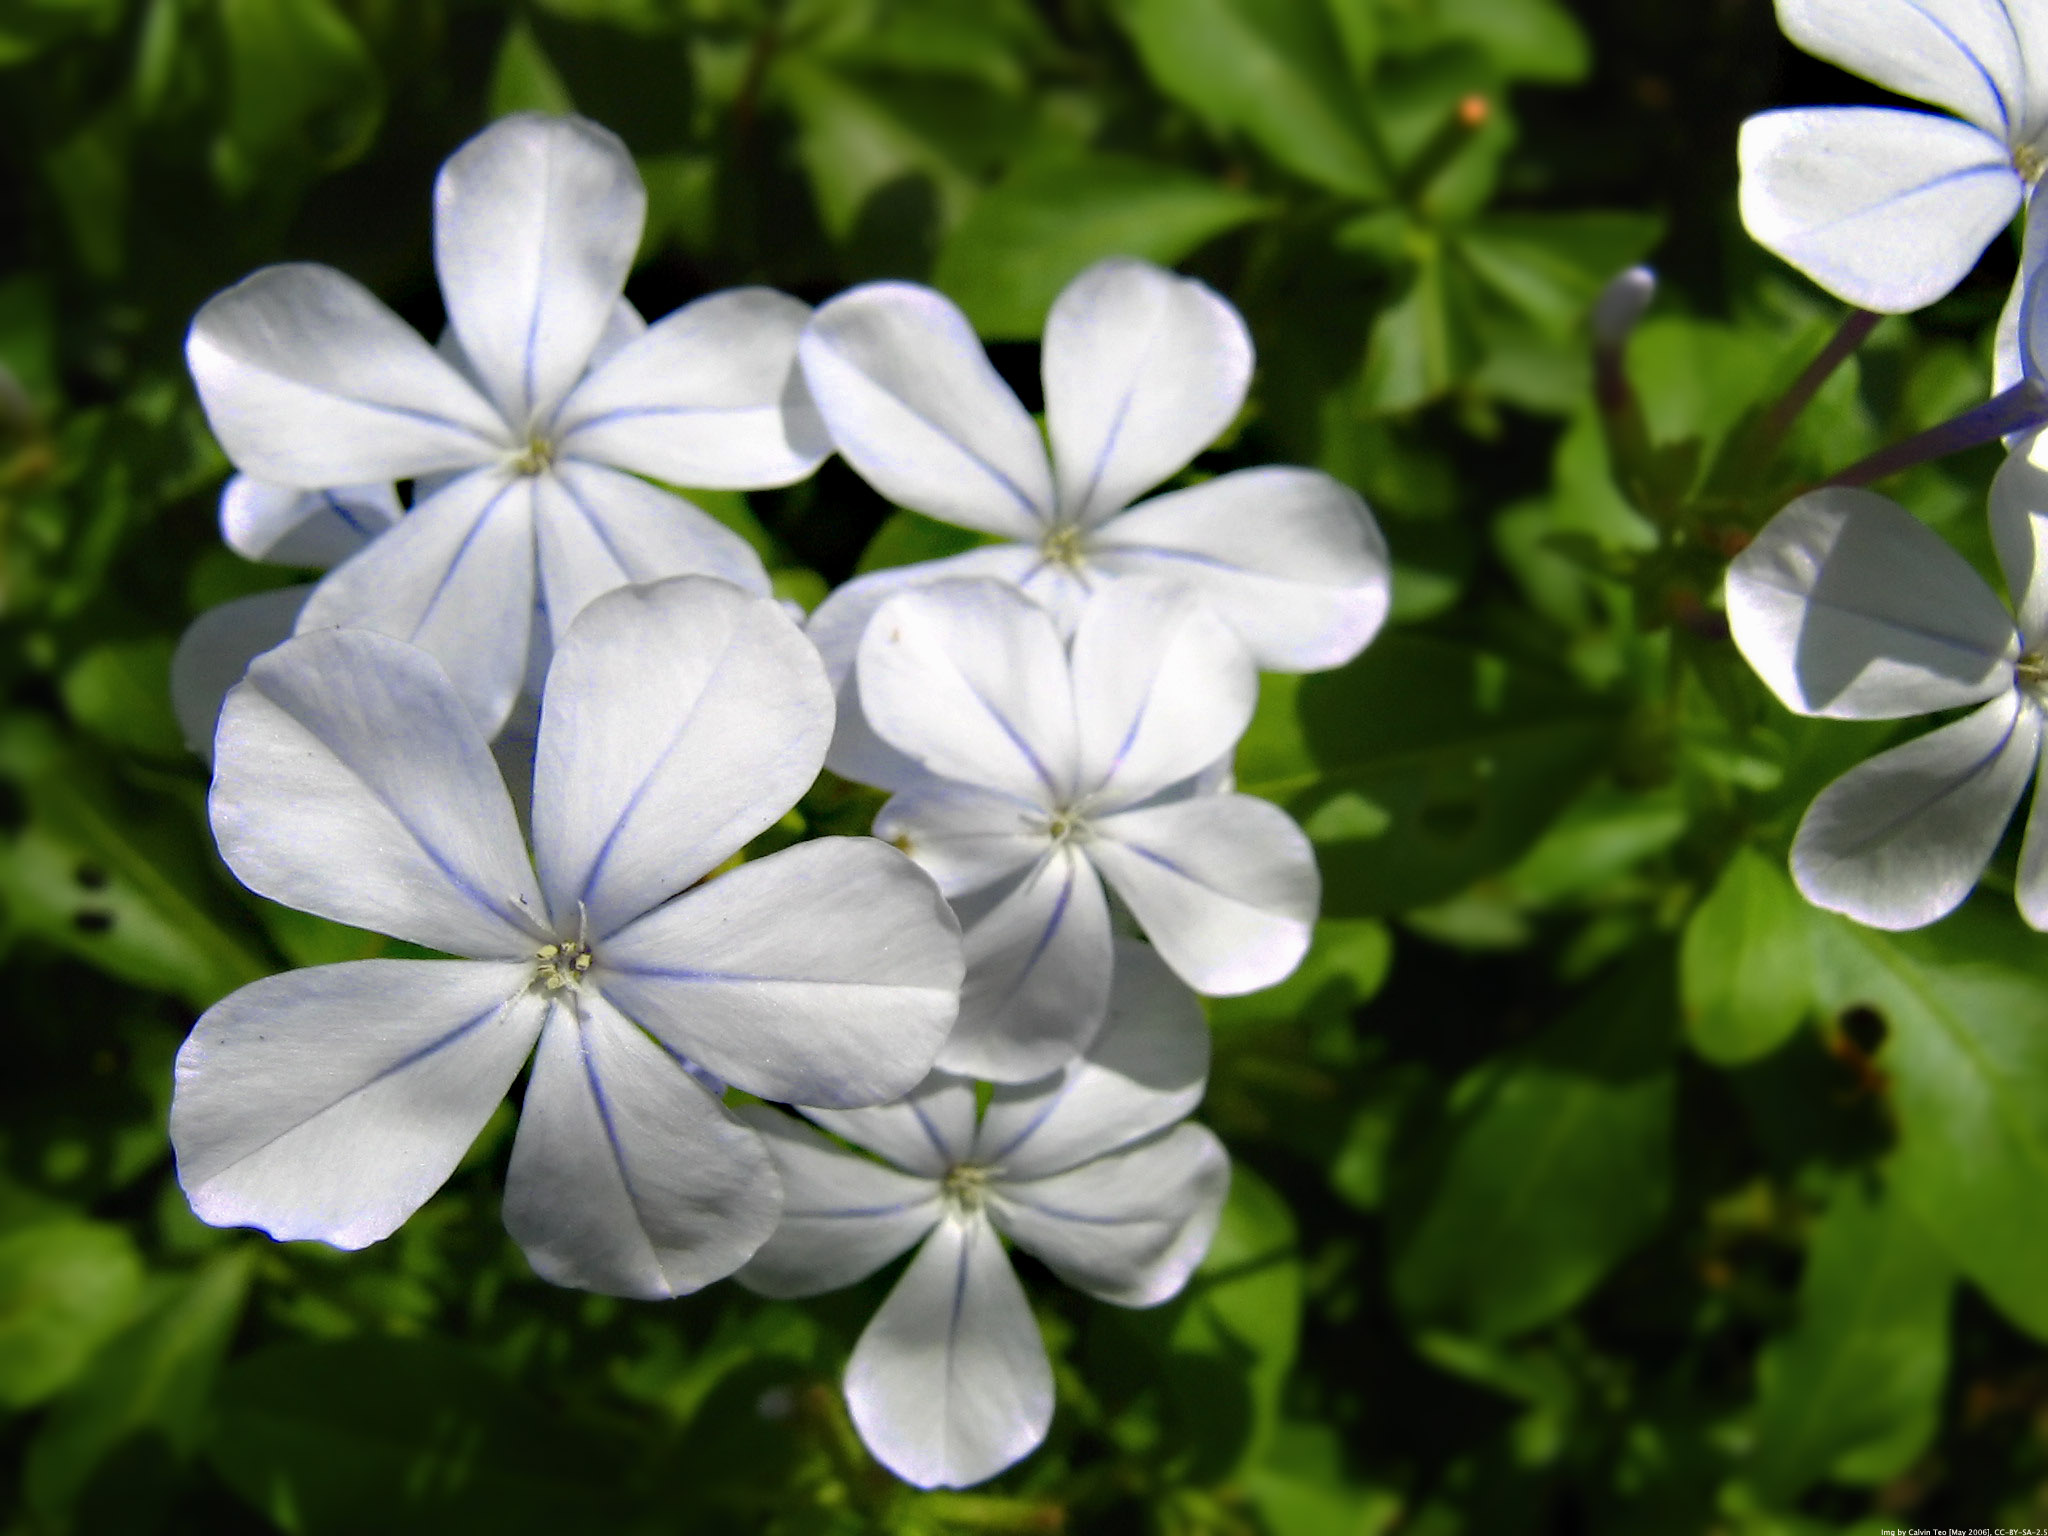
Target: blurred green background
1587	1182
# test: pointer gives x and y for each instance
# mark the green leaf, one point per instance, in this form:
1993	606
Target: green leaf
117	876
1346	965
305	95
121	692
1236	1326
155	1379
910	538
1551	266
1274	70
414	1436
27	27
1526	39
1300	1489
1421	766
524	79
1745	967
1423	343
1853	1390
65	1288
1034	231
1965	1006
1555	1164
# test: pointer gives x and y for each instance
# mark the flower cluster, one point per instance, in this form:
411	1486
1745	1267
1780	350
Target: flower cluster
1845	604
538	708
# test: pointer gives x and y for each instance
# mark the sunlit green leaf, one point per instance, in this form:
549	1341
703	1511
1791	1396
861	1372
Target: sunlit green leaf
524	79
1746	964
121	692
65	1288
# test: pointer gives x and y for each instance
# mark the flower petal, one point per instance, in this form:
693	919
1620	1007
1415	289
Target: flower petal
309	380
1144	1070
949	1383
215	651
970	680
1225	887
282	525
1970	56
913	403
843	1215
1887	210
454	577
1143	370
2031	887
2019	529
536	222
627	1176
350	781
1129	1227
1899	841
330	1103
925	1132
680	720
599	529
1162	689
964	838
710	396
1850	607
1290	558
1038	970
828	973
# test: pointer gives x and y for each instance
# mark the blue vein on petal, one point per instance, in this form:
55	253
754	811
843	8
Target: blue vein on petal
611	1133
1955	786
868	1212
410	1059
540	276
1053	1102
611	838
1998	96
1016	737
1008	1193
931	1131
349	520
461	553
1998	168
590	517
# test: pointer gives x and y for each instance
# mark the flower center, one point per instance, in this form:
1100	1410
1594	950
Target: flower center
965	1187
537	458
562	965
1063	545
2032	671
1066	825
2030	162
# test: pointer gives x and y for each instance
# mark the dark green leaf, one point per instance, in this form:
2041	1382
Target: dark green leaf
65	1288
121	692
305	94
524	79
1746	964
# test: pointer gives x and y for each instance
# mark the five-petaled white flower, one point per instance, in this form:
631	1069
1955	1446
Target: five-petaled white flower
679	720
1087	1169
1045	772
1890	209
1142	370
1849	607
530	434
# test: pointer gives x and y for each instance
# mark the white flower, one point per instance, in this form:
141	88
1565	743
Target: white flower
1086	1169
1849	607
1142	370
1889	209
530	436
1046	773
679	720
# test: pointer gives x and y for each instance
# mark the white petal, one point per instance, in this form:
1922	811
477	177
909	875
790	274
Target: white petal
1850	607
2019	529
1225	887
969	679
1162	689
680	720
1290	558
843	1216
828	973
950	1384
913	404
2031	887
1143	370
282	525
1887	210
627	1176
1144	1070
710	396
964	838
1129	1227
1971	56
1038	970
330	1103
599	529
350	781
2010	348
1898	841
455	578
836	629
308	380
926	1131
216	650
536	222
